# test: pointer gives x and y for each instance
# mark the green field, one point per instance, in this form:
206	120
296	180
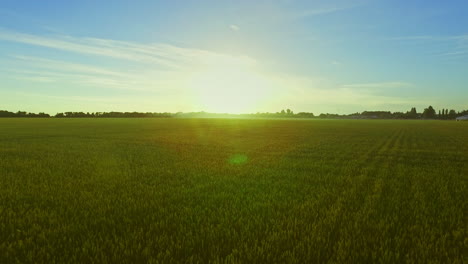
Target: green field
229	191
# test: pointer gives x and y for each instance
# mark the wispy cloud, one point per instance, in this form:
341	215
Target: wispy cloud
432	38
455	53
381	85
62	66
164	55
234	27
106	99
36	69
336	63
419	37
449	46
161	68
317	12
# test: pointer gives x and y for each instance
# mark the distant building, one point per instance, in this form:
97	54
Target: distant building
462	118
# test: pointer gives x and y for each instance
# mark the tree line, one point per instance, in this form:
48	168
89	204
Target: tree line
428	113
111	115
4	113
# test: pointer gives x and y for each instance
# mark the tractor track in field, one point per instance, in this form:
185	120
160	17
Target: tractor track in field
358	198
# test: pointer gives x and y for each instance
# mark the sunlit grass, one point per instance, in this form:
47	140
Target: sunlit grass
213	190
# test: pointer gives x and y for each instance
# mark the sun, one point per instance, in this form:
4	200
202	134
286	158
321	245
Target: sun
229	88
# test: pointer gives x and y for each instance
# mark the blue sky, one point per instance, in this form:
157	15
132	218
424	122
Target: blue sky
233	56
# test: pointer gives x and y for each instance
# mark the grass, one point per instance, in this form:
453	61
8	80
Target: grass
229	191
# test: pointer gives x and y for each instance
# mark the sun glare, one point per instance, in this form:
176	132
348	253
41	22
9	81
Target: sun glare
229	88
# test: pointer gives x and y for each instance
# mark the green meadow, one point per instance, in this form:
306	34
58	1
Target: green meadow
233	191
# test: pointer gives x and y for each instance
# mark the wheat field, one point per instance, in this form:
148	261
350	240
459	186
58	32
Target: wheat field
233	191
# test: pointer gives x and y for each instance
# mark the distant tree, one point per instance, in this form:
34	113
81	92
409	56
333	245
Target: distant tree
462	113
377	114
429	113
4	113
283	112
289	112
398	115
452	114
304	115
21	114
41	114
328	115
412	114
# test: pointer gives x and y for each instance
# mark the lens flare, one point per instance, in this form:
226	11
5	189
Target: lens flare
238	159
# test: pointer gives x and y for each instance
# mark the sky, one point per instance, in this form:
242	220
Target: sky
238	56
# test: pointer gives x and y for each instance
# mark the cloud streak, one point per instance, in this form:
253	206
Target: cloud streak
234	27
311	12
317	12
456	46
379	85
164	55
37	69
157	68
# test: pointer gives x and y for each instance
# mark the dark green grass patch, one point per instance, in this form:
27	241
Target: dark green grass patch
229	191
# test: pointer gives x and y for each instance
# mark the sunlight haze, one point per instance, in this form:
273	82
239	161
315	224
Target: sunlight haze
233	56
